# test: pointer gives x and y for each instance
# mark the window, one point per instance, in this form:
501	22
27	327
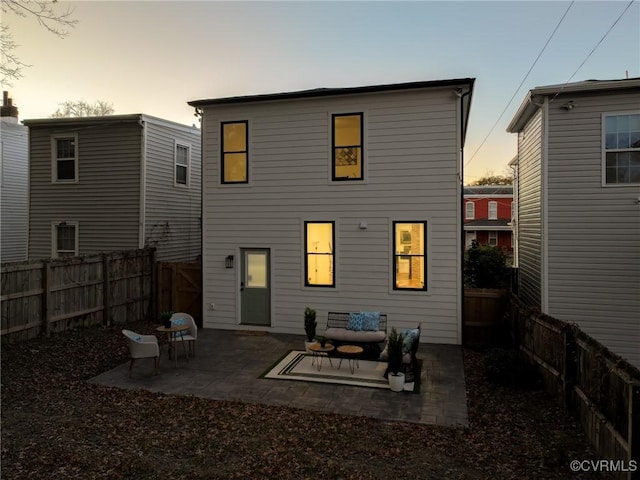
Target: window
319	254
493	238
622	149
470	214
409	271
182	162
64	155
493	210
64	239
347	146
235	159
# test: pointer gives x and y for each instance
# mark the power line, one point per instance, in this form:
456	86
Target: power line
521	83
593	49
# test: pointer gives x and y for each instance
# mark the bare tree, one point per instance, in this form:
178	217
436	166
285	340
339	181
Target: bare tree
81	108
44	11
490	178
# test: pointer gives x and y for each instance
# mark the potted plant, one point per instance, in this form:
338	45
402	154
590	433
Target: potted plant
394	350
165	318
310	325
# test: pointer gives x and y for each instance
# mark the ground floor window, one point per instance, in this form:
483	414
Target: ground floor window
409	247
64	239
319	254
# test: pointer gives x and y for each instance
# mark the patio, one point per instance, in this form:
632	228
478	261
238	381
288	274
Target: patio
227	366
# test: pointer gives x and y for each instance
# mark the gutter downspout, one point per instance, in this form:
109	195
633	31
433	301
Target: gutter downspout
462	137
143	181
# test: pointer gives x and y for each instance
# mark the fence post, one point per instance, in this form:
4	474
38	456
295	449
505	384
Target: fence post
106	291
633	437
46	297
154	285
569	373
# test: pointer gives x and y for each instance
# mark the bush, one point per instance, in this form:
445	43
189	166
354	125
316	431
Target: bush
505	367
485	266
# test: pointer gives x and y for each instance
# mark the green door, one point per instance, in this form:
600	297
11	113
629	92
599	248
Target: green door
255	289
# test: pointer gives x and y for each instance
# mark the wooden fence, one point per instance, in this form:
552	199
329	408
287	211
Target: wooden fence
483	315
59	294
180	289
600	388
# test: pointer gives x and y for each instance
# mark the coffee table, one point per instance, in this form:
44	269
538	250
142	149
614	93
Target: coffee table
351	353
173	339
319	352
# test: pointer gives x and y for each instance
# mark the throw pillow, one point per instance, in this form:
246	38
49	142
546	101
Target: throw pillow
371	321
137	338
179	321
409	337
356	322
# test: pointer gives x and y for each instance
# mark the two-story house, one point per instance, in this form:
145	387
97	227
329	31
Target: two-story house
578	204
340	199
487	215
14	173
117	182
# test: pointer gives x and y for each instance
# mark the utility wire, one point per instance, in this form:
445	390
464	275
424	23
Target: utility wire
593	50
521	83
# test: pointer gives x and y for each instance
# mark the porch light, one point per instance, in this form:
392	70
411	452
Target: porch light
228	262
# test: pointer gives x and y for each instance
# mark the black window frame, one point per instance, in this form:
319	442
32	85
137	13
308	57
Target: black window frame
395	255
223	152
334	147
307	254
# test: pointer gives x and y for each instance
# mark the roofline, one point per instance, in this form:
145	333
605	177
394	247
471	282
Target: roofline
328	92
104	120
535	96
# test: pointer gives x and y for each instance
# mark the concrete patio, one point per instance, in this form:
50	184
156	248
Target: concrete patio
228	364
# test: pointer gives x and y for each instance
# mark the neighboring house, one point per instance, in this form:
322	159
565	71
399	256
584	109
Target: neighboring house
487	215
117	182
14	175
578	195
340	199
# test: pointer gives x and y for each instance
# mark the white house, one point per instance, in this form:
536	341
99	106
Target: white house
340	199
14	177
578	207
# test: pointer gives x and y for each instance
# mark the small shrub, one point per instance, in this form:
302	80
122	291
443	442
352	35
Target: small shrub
505	367
485	266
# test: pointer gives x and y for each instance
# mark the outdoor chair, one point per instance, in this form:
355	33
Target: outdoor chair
188	336
142	346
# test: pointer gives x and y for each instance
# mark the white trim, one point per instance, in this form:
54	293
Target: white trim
143	183
177	144
54	236
472	228
603	149
466	210
544	208
54	158
489	205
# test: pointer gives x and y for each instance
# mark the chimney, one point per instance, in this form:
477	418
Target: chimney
8	112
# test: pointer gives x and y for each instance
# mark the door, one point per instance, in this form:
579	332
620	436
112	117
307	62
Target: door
255	288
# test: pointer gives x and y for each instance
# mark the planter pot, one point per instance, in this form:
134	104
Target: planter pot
167	324
306	346
396	382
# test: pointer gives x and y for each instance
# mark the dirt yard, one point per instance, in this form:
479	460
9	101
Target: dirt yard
57	426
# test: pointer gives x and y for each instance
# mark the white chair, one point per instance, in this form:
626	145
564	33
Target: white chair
142	346
188	336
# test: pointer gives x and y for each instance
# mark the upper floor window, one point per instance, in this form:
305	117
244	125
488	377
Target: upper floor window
410	266
64	153
622	149
182	164
235	152
470	213
493	210
319	254
347	140
64	241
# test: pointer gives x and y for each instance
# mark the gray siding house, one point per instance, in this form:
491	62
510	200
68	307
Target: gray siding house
578	194
110	183
14	174
340	199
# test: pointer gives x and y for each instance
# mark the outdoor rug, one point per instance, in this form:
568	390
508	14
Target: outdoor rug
297	365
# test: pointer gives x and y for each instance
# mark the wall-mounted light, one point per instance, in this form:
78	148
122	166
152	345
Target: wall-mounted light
568	106
228	262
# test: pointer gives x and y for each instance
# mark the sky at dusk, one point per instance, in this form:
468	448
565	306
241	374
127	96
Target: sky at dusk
153	57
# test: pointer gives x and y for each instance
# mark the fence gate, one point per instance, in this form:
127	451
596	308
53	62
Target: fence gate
180	289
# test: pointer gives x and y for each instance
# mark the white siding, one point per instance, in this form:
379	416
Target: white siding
14	168
410	144
530	210
593	231
106	199
172	213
